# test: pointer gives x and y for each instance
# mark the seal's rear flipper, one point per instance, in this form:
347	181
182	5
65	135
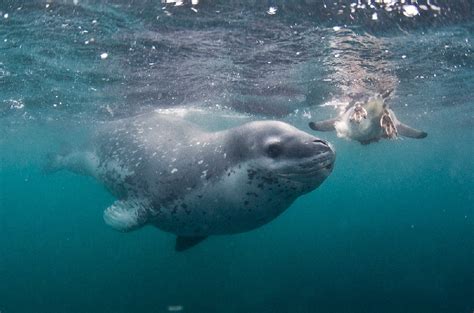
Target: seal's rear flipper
125	215
324	126
407	131
184	243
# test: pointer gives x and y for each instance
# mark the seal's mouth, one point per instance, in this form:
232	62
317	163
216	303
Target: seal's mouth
314	168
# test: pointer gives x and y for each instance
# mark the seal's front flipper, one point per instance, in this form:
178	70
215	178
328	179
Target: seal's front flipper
407	131
125	215
184	243
324	126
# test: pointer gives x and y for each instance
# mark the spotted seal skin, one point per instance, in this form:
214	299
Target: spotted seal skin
367	121
171	174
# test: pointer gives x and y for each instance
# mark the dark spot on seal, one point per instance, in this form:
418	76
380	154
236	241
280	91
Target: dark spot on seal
246	203
184	206
269	180
251	174
252	194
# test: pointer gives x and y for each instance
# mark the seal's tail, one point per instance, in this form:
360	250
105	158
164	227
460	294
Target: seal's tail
54	162
84	163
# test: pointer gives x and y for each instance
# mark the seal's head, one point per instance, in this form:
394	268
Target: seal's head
284	154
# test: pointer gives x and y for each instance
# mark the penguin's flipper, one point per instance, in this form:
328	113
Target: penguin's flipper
407	131
324	126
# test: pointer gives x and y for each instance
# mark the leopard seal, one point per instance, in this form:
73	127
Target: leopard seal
367	121
170	173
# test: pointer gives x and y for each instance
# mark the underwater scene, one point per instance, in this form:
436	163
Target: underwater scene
254	156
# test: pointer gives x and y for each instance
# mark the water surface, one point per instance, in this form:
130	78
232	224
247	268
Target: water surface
391	230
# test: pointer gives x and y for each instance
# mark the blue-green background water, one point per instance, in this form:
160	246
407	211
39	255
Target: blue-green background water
391	230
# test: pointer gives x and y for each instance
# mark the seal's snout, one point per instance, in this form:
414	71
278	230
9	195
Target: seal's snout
314	163
322	146
325	154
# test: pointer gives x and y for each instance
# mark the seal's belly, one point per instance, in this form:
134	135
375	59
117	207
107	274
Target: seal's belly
227	206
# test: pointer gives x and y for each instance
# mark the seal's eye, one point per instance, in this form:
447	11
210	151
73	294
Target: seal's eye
274	150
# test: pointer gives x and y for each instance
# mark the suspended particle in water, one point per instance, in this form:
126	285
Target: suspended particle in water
410	10
272	10
434	7
16	104
104	55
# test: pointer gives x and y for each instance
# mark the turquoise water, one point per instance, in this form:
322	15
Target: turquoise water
391	230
